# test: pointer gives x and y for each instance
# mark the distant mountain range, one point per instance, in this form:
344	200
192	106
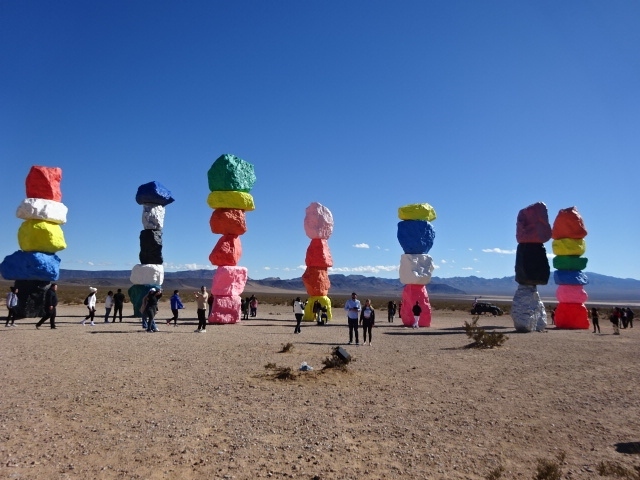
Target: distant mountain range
600	287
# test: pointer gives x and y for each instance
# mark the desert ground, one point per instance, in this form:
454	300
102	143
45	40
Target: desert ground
112	401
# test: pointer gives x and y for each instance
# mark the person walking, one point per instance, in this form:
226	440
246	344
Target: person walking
108	304
367	320
391	311
176	304
244	307
201	299
12	305
298	311
210	304
595	320
152	309
353	307
253	305
118	303
613	318
416	310
50	304
630	316
90	302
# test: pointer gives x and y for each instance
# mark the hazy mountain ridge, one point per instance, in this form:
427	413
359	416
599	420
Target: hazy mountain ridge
599	287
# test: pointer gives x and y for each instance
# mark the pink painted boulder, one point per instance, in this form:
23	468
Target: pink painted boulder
225	310
316	281
410	295
571	316
318	221
318	254
44	182
227	251
228	221
571	294
532	225
229	281
568	224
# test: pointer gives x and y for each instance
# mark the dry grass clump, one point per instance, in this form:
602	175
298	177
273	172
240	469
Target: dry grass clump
550	469
336	361
613	469
280	373
286	347
481	338
496	473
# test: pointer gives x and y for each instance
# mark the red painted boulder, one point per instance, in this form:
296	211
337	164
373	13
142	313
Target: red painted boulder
225	310
571	316
532	225
318	254
410	295
44	182
568	224
316	281
229	281
227	251
228	221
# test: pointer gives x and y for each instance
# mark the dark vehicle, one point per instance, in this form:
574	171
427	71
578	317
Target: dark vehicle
480	308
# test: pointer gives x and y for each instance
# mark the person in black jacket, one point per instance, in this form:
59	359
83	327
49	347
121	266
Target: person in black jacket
50	304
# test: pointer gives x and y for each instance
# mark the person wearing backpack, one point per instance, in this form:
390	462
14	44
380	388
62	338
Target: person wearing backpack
90	302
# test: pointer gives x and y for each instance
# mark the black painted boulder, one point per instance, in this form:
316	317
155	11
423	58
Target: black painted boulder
532	265
151	247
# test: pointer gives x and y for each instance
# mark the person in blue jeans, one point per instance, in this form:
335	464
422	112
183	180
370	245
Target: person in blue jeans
152	309
353	307
176	304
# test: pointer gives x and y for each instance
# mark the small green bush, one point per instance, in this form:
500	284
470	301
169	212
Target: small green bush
481	338
286	347
550	469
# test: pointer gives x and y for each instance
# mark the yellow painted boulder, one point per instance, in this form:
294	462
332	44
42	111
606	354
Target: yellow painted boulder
325	302
231	199
569	246
41	236
417	211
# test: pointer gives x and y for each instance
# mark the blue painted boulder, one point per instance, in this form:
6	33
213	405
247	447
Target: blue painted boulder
22	265
415	236
570	277
153	193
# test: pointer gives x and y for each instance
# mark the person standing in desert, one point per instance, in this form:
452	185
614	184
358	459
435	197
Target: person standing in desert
201	299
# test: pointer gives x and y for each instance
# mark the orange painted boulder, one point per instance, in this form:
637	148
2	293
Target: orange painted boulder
227	251
228	221
316	281
318	254
568	224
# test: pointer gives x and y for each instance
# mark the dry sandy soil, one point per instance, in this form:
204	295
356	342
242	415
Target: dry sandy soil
111	401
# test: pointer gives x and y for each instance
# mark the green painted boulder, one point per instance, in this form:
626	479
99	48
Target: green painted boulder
230	173
569	262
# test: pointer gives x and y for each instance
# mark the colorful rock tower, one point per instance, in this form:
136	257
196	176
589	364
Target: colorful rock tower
149	273
40	236
568	245
318	225
416	236
230	181
532	268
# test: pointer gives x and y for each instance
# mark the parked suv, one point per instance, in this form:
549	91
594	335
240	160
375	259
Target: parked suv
482	307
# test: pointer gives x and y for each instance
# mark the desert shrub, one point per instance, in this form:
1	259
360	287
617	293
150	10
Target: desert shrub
496	473
481	338
335	361
280	373
550	469
286	347
613	469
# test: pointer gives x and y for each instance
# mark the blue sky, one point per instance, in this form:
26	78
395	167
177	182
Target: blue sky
477	108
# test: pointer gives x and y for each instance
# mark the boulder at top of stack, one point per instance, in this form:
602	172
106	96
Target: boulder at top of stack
417	211
532	225
230	173
415	236
318	221
44	182
568	224
42	209
153	193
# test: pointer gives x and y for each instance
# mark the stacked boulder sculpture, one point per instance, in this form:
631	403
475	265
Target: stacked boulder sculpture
532	268
318	226
230	181
149	273
568	245
416	236
40	236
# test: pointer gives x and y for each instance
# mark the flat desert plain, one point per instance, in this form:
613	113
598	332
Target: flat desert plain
111	401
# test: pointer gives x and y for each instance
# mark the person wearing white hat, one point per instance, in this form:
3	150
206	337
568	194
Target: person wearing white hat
90	302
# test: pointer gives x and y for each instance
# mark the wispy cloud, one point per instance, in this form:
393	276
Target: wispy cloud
187	266
467	268
361	245
364	269
443	261
267	268
500	251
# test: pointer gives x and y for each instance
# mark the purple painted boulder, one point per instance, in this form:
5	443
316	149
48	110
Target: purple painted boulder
532	225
